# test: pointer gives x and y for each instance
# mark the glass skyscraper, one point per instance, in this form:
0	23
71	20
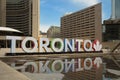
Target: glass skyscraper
115	9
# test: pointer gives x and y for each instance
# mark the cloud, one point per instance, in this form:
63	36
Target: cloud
67	13
44	27
85	2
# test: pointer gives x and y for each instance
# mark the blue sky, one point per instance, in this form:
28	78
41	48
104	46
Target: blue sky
52	10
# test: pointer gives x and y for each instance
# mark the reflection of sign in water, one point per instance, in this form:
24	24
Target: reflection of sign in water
58	66
98	61
56	45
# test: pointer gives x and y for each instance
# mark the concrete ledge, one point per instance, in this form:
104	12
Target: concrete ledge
8	73
44	76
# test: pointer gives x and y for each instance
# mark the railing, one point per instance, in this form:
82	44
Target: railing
116	59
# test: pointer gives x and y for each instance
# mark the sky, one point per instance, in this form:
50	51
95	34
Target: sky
52	10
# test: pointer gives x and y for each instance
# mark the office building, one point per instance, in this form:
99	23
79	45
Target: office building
43	34
115	9
18	15
2	13
84	24
112	25
112	30
22	15
53	32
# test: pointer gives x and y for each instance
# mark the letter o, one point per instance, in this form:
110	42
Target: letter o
29	39
61	68
33	64
85	43
61	45
85	64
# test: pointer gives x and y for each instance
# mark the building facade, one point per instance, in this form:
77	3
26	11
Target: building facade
85	24
2	13
112	25
112	30
53	32
22	15
43	34
115	9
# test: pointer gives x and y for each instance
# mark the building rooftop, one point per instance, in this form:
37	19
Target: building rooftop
116	21
9	29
